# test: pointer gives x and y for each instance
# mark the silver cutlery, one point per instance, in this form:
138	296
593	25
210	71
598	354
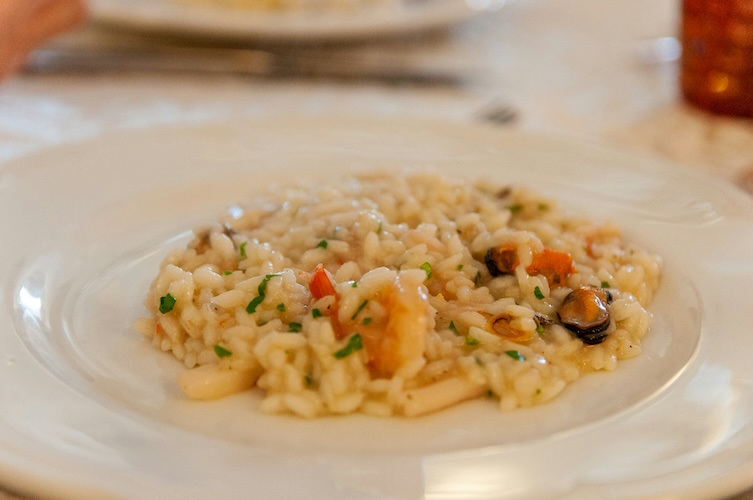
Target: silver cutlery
257	63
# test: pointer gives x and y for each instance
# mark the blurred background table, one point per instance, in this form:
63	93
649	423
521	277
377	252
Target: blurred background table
600	71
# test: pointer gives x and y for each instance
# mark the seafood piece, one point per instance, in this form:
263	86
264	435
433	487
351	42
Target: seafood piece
555	266
501	260
503	324
440	395
402	339
585	312
397	338
212	382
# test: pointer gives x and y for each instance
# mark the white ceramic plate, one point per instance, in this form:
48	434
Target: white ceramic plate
90	409
367	21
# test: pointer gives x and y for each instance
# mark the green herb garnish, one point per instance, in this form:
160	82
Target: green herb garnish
228	272
295	327
281	307
427	268
537	293
263	285
355	343
354	284
540	329
316	313
166	303
471	341
604	284
453	328
322	244
221	352
515	355
460	267
360	308
251	307
367	321
477	278
243	249
515	208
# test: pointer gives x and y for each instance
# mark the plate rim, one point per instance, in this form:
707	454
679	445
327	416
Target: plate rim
281	26
82	143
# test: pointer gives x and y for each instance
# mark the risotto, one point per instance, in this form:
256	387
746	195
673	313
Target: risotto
399	294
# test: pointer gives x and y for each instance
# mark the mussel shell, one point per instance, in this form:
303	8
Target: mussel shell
490	264
591	336
584	312
501	260
501	325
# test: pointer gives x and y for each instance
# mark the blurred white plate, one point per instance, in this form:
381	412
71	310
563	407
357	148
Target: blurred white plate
368	21
91	410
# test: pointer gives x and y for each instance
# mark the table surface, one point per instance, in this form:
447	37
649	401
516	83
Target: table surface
584	68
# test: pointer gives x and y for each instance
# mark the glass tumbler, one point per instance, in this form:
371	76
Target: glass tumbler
716	71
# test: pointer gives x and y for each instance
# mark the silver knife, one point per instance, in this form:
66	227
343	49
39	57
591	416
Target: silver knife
258	63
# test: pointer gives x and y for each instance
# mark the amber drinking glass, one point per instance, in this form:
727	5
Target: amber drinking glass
717	55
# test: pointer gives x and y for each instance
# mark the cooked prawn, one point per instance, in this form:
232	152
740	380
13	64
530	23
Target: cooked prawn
399	338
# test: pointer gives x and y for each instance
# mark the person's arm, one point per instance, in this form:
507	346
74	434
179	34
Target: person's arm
26	24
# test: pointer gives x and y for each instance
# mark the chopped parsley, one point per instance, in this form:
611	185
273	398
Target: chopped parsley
251	307
354	284
355	343
515	208
316	313
367	321
427	268
540	329
453	328
228	272
295	327
537	293
515	355
604	284
166	303
477	278
243	249
322	244
360	308
460	267
221	352
471	341
281	307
